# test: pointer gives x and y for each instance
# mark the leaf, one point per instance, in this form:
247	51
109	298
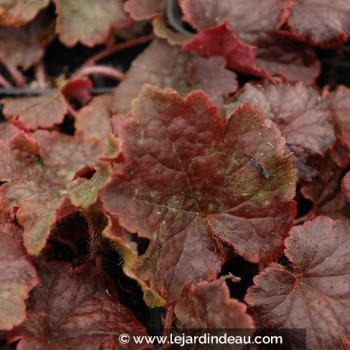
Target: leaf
64	155
8	226
37	195
322	22
85	194
288	59
20	12
302	115
36	112
7	130
166	66
223	41
207	305
346	186
315	295
94	119
17	277
340	106
251	20
24	46
37	216
272	55
139	9
88	22
255	23
162	30
74	309
189	179
327	197
78	89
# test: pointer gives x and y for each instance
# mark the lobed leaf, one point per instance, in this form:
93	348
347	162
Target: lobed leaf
65	155
94	119
18	277
207	305
223	41
190	180
37	195
92	25
24	46
140	10
20	12
271	55
166	66
302	115
254	23
315	295
291	60
74	309
251	20
326	196
322	22
36	112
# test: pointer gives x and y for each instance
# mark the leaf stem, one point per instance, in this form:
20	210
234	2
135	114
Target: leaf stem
101	70
116	48
96	222
16	75
71	110
168	321
310	215
40	75
5	83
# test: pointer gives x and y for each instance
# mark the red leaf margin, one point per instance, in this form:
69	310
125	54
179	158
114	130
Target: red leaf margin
315	293
221	40
126	196
16	271
345	186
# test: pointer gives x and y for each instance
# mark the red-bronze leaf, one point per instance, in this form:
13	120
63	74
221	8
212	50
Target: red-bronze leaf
302	115
74	309
289	59
94	119
78	89
326	196
315	295
190	179
166	66
271	55
251	20
18	277
37	195
223	41
36	112
200	304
